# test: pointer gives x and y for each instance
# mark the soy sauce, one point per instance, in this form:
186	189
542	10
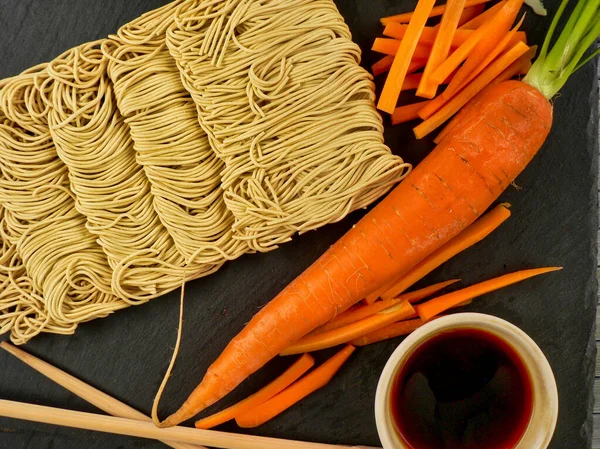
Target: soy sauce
462	389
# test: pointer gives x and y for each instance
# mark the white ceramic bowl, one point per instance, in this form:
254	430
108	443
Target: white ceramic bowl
540	429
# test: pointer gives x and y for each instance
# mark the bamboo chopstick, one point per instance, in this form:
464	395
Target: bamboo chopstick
131	427
92	395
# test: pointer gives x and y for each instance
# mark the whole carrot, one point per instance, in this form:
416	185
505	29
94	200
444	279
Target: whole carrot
445	193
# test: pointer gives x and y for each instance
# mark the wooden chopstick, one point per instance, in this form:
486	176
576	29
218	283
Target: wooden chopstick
92	395
143	429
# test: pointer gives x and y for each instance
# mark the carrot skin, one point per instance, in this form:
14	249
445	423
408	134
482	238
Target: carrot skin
351	331
440	304
291	375
310	383
352	316
441	197
418	295
392	331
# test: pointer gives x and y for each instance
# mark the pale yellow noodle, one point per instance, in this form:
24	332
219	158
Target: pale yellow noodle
286	106
112	190
170	145
54	273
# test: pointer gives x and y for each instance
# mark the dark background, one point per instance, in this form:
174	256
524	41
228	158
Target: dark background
554	222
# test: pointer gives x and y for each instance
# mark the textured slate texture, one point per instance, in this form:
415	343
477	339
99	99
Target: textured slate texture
554	222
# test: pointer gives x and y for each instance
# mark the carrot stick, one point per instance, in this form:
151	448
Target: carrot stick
411	82
436	11
441	47
383	65
398	30
418	295
407	113
473	234
476	22
393	85
293	373
392	331
478	84
442	303
390	47
491	45
459	81
310	383
351	331
352	316
462	52
470	13
520	67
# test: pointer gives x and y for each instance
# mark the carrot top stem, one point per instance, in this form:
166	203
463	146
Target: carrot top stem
555	65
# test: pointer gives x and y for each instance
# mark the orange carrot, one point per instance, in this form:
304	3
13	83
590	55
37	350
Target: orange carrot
470	13
479	20
441	47
437	11
390	47
359	313
392	331
473	234
418	295
291	375
351	331
519	67
442	303
383	65
491	45
407	113
393	84
477	85
310	383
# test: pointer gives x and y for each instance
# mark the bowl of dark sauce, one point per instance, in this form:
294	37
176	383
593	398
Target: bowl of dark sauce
467	381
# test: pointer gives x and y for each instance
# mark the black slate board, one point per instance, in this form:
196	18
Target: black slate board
554	223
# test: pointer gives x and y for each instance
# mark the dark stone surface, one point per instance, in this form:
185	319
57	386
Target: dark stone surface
554	223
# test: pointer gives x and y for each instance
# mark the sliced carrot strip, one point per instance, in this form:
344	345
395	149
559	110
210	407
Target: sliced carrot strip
391	331
462	52
351	331
310	383
291	375
357	314
473	234
418	295
440	304
407	113
383	65
459	81
476	86
393	85
398	30
391	46
470	13
437	11
476	22
491	45
441	47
